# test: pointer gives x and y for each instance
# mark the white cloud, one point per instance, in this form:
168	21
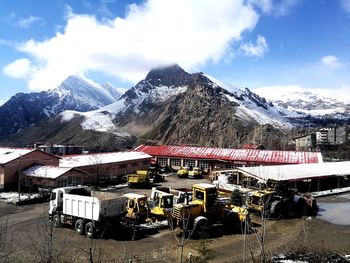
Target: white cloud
20	68
331	62
274	7
255	50
157	32
27	22
345	5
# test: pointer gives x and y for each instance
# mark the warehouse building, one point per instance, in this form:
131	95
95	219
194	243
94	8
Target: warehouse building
39	177
107	165
14	160
313	177
210	159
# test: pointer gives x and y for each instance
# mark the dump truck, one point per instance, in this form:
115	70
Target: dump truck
195	173
206	210
138	179
286	204
89	212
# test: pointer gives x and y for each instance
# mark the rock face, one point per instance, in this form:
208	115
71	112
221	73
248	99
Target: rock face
170	106
24	110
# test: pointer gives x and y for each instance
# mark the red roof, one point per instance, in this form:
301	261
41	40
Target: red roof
228	154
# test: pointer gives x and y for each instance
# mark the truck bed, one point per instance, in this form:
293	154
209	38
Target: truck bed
96	207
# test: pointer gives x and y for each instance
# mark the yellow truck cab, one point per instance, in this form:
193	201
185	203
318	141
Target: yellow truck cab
195	173
161	203
183	172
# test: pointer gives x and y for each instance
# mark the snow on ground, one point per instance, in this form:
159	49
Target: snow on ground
12	197
335	212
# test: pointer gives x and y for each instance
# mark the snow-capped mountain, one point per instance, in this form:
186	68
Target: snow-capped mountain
75	93
173	106
308	102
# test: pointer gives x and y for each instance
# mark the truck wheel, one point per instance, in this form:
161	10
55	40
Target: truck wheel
276	210
79	226
56	220
133	234
90	230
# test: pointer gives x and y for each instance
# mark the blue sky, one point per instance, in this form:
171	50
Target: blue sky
250	43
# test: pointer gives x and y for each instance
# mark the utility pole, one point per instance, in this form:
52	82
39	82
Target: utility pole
19	177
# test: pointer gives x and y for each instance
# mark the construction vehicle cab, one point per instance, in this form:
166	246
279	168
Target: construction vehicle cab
161	203
195	173
137	207
261	200
204	195
183	172
207	209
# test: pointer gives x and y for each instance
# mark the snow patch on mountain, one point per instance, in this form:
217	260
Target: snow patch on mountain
295	92
314	102
251	106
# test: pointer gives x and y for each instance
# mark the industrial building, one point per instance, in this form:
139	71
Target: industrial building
107	165
48	176
312	177
210	159
14	160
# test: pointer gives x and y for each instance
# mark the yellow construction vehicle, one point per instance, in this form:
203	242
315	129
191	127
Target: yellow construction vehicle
137	207
161	204
207	209
195	173
140	178
183	172
273	205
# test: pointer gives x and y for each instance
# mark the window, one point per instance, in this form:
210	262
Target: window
189	162
203	164
162	161
231	165
199	195
175	162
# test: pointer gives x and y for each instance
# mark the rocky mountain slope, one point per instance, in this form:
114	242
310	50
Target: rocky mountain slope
173	106
24	110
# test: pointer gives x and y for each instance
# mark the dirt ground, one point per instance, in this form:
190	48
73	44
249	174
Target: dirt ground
28	238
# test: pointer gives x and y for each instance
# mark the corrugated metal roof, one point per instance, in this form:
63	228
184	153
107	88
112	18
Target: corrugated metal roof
228	154
295	172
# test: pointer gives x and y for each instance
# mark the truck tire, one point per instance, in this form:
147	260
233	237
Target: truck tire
90	230
56	220
276	210
79	226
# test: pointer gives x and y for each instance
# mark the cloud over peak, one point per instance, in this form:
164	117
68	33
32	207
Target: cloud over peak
153	33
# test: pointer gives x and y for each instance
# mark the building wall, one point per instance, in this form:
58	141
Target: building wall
113	170
307	142
70	178
1	178
11	169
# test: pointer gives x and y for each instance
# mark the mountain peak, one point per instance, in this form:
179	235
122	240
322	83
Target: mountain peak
172	75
